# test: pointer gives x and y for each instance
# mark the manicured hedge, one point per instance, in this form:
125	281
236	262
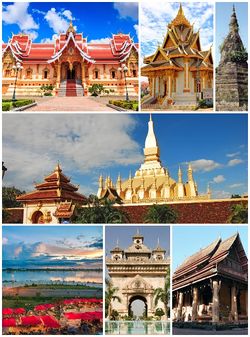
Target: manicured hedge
130	105
8	104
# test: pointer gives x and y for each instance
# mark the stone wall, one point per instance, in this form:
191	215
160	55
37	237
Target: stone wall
212	211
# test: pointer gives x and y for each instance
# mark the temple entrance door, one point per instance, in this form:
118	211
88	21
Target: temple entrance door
71	74
37	217
138	307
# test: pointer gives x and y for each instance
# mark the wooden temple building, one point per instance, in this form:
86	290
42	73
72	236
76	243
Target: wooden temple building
52	201
179	72
152	182
212	284
70	64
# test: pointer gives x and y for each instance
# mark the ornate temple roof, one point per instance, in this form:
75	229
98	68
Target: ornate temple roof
180	41
115	51
55	188
210	261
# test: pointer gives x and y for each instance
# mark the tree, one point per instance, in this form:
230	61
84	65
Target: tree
96	89
239	214
9	195
235	196
160	214
163	294
100	211
109	297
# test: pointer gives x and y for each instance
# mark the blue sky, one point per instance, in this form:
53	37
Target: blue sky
87	145
43	20
124	236
155	15
200	237
82	245
223	16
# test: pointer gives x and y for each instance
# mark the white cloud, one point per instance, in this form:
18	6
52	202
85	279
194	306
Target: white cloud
234	162
17	13
136	28
5	241
50	40
68	14
155	15
230	155
81	143
219	179
102	40
127	9
56	20
205	165
236	185
221	194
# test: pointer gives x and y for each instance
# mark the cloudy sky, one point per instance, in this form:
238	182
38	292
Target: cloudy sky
87	145
201	237
45	20
155	16
48	245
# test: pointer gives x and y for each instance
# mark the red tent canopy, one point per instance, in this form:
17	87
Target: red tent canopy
7	311
50	322
42	307
19	311
82	300
86	316
30	320
9	322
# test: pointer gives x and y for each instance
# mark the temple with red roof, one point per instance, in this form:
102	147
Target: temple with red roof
52	201
211	285
70	64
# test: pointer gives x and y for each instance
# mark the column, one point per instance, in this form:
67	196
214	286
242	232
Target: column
83	73
234	309
58	79
246	299
216	301
180	304
104	71
37	71
195	304
169	86
186	76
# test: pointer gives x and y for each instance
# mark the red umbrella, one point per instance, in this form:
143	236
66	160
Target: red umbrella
50	322
9	322
42	307
30	320
19	311
7	311
87	316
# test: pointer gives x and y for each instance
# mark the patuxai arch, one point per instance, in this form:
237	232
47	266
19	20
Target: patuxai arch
136	272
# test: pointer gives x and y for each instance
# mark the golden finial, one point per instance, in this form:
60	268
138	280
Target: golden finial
180	18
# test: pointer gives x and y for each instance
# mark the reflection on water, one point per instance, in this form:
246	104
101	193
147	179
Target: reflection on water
137	328
20	277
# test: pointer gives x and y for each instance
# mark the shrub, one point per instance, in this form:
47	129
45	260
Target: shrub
239	214
6	106
239	56
96	89
129	105
20	103
161	214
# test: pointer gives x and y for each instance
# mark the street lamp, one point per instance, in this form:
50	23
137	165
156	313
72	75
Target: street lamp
16	68
123	69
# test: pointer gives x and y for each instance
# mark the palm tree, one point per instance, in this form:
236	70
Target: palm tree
100	211
239	214
110	296
163	294
160	214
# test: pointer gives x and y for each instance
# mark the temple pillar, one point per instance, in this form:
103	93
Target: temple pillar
58	79
195	304
104	71
180	305
234	309
169	86
37	71
83	73
246	300
216	301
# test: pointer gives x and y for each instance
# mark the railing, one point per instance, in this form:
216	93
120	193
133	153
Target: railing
137	328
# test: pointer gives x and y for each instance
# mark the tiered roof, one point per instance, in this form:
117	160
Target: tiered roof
55	188
117	50
208	262
180	41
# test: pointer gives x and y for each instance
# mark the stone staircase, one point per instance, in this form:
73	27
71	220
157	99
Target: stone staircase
70	88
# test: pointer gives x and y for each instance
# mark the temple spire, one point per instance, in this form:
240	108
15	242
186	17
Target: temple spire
180	175
234	26
180	19
151	141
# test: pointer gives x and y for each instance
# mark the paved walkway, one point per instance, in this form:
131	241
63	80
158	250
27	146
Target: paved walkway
70	104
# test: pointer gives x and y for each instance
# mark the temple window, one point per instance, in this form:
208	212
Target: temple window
7	73
113	74
45	74
134	72
29	73
96	73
